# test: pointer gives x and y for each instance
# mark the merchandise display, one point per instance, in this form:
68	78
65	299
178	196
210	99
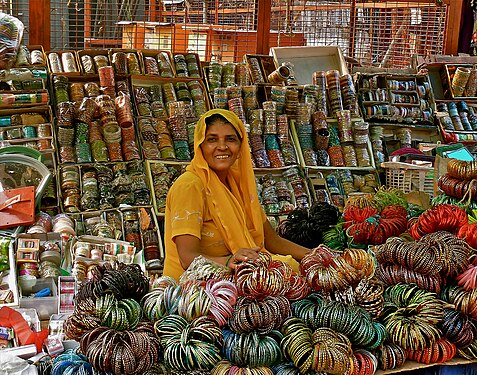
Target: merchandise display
390	279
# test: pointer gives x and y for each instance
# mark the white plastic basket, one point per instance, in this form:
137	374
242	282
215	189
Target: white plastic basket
409	177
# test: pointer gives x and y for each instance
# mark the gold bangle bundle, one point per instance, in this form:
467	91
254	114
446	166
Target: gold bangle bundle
462	170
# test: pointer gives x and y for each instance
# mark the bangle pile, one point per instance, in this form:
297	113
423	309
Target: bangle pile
322	350
458	328
441	217
368	294
376	229
390	356
439	352
252	349
352	321
70	362
412	316
189	345
365	363
264	278
468	232
262	316
464	301
227	368
127	352
326	271
214	298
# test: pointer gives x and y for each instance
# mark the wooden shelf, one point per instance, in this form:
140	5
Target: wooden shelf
412	366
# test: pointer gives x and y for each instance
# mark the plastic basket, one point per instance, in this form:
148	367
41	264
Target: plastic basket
409	177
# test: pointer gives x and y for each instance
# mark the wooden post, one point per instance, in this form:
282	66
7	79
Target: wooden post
40	24
263	27
453	26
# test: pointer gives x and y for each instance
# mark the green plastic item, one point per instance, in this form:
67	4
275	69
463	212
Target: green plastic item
28	151
440	150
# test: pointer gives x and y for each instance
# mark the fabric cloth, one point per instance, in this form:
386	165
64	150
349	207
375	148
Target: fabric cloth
199	204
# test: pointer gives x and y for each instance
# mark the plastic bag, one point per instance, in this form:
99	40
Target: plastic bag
11	33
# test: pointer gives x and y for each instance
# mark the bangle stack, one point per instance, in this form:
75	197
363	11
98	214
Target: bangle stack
179	339
322	350
411	321
327	271
352	321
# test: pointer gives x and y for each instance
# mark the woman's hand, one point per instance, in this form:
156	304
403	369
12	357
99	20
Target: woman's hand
244	255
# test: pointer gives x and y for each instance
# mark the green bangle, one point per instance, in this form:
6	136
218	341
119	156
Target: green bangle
228	260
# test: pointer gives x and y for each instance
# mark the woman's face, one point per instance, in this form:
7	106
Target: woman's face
221	147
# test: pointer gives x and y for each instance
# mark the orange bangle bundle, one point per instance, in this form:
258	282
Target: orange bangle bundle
468	232
365	363
442	217
440	351
376	229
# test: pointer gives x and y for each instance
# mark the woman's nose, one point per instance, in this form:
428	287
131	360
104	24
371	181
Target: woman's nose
223	145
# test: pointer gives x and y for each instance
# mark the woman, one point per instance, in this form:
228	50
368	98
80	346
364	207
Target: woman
213	209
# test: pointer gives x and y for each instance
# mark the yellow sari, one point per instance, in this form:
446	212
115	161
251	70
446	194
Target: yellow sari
236	213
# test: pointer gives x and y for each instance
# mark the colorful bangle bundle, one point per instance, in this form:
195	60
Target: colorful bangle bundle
119	315
189	345
366	227
320	350
260	316
458	328
214	298
125	352
435	253
264	278
468	232
327	271
464	301
391	274
468	278
71	362
368	294
365	363
390	356
352	321
227	368
252	349
412	316
462	170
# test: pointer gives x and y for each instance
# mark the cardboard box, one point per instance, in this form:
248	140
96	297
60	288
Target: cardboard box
307	60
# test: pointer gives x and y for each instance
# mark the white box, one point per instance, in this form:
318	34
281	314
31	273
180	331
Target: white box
309	59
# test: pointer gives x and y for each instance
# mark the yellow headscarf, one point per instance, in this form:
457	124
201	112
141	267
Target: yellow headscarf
237	212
